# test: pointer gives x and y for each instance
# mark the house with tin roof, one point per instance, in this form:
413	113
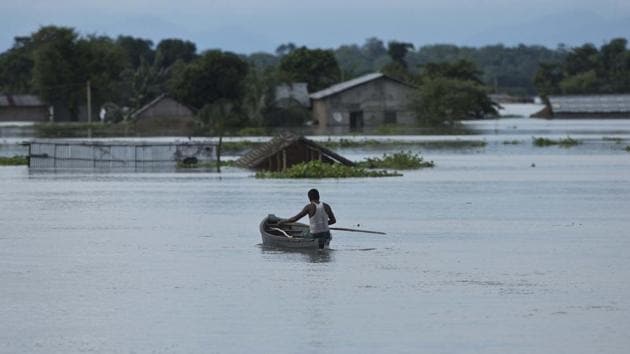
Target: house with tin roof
586	106
23	108
366	101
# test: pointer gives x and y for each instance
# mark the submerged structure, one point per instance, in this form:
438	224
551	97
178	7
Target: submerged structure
286	150
586	106
116	154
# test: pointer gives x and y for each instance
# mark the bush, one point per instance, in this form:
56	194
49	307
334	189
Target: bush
13	161
397	161
318	169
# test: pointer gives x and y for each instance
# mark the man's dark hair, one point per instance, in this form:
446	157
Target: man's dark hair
313	194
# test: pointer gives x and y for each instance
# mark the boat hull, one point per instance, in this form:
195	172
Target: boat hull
276	239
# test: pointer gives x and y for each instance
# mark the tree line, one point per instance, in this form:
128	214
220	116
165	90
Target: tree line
452	82
587	70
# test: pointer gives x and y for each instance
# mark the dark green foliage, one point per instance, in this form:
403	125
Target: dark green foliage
16	67
171	50
317	67
318	169
566	142
462	69
214	75
444	101
627	148
398	51
397	161
136	50
588	70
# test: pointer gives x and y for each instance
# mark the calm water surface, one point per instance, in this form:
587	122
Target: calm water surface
484	254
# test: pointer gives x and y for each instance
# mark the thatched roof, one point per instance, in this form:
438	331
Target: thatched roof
281	142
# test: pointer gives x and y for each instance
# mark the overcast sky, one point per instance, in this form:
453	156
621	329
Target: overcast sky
261	25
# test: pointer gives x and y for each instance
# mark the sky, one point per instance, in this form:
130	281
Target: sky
247	26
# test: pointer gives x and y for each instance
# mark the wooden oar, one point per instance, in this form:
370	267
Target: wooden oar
357	230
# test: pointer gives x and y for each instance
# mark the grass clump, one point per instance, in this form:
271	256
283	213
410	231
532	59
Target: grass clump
565	142
318	169
627	148
511	142
13	161
614	139
397	161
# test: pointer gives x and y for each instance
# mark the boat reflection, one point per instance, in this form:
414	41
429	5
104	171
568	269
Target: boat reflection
311	256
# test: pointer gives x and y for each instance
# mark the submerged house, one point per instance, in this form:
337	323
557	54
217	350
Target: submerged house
286	150
369	100
586	106
164	113
23	108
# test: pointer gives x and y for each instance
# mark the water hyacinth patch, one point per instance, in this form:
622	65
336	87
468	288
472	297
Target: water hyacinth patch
397	161
318	169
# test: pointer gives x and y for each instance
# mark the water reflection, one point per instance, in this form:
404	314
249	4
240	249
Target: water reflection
311	256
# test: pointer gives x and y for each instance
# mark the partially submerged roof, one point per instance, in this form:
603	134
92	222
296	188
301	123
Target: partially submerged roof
157	100
9	100
346	85
281	142
590	104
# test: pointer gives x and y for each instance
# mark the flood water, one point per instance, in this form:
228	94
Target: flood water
506	248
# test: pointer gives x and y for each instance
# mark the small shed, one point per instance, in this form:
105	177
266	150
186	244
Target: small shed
22	108
286	150
164	113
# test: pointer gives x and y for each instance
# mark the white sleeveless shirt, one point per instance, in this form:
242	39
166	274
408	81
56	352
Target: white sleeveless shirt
319	221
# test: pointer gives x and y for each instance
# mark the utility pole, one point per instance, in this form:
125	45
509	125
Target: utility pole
89	109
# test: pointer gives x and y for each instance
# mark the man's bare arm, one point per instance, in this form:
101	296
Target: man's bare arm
331	216
297	217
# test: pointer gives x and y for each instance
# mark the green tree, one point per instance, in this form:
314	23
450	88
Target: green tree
317	67
56	58
442	100
398	52
214	75
461	69
171	50
137	50
548	78
16	67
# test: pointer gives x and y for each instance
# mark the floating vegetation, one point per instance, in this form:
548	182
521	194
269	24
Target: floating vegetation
397	161
318	169
565	142
511	142
627	148
13	161
366	143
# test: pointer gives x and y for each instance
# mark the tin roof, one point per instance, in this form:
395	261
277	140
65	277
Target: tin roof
155	101
280	142
9	100
343	86
590	103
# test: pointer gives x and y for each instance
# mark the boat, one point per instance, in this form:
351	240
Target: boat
287	236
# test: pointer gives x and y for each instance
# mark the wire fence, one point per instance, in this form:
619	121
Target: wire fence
66	154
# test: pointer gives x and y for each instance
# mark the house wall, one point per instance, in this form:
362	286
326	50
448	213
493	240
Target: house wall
24	114
373	99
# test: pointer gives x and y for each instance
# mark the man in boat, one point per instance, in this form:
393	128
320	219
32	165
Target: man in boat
320	215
